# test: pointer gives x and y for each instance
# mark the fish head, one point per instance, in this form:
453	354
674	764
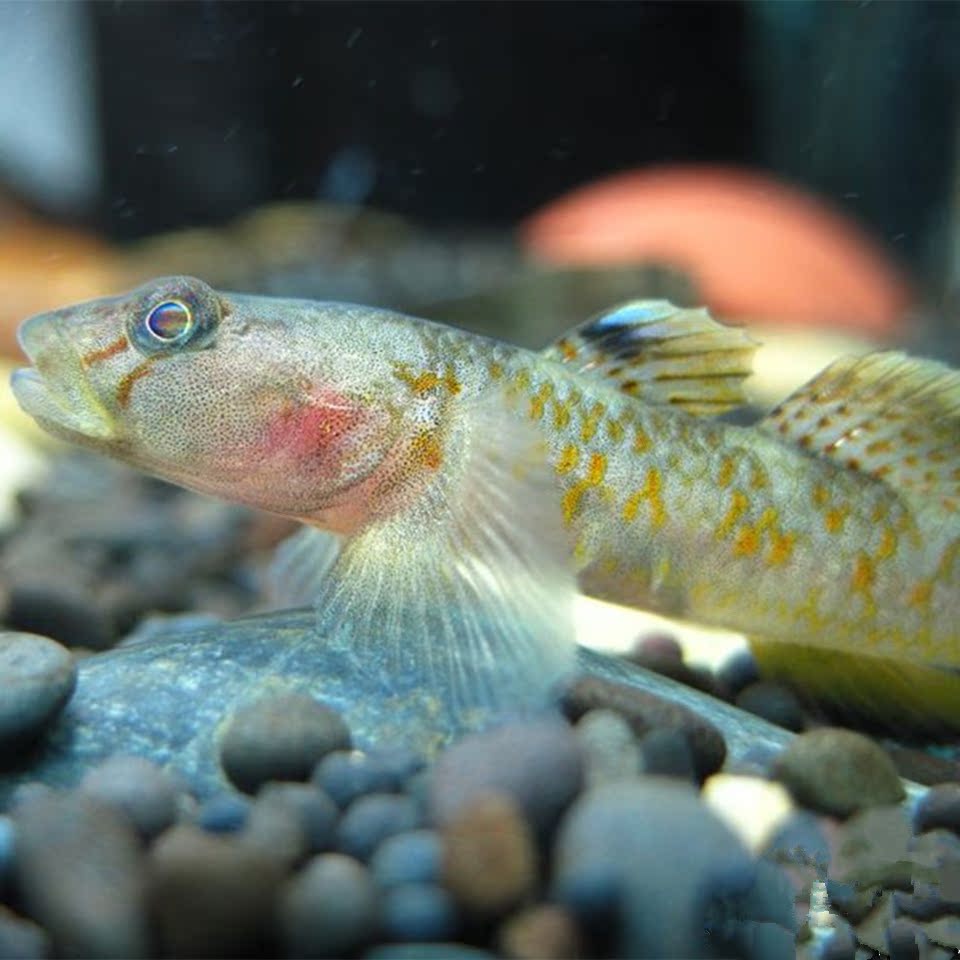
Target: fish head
222	393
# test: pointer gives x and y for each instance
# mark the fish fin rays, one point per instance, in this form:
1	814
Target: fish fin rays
466	597
301	563
662	354
894	417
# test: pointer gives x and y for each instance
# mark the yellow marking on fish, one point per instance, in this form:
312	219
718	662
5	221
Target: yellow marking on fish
835	519
597	470
591	421
539	400
768	519
426	449
427	380
561	414
571	502
568	459
652	490
568	350
879	446
632	506
738	506
746	543
521	379
920	594
496	370
880	512
863	573
888	544
125	386
759	479
727	470
105	353
781	548
614	430
641	442
821	495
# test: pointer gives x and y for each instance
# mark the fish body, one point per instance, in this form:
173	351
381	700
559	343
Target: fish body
491	476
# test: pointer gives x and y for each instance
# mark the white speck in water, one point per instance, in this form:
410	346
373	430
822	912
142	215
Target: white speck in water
297	81
354	37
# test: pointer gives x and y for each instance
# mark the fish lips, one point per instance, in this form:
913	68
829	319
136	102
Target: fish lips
56	391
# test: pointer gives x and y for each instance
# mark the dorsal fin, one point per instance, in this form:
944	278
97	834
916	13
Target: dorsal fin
886	414
662	354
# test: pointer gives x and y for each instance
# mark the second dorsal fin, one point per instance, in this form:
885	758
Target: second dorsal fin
662	354
886	414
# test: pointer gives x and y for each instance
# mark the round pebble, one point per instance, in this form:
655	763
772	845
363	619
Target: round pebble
37	676
79	872
329	909
666	752
539	764
840	944
347	774
224	813
736	673
939	807
211	895
837	771
22	940
314	812
280	737
426	951
617	845
773	702
410	857
367	822
609	747
139	789
61	612
663	646
489	856
7	848
646	711
545	930
418	912
905	940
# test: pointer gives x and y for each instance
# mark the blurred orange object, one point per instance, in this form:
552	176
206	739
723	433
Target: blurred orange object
756	249
44	266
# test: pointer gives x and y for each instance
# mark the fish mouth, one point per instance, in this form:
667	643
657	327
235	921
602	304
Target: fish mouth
56	390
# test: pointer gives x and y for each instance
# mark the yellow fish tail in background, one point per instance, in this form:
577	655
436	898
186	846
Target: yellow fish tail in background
454	487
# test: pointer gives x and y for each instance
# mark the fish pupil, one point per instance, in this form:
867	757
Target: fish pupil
169	321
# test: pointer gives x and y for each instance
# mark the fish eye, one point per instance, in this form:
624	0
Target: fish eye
170	321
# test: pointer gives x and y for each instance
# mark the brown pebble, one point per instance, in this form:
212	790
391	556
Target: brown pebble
645	711
542	931
489	858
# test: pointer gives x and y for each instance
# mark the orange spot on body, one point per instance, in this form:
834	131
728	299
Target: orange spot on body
863	573
835	519
888	544
105	353
820	495
920	594
727	470
561	414
568	459
641	442
738	506
746	543
590	422
567	349
614	430
539	400
781	548
571	502
597	470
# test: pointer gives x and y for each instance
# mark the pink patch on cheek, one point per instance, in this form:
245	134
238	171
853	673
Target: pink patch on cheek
310	429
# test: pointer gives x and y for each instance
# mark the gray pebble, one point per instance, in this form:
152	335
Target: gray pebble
426	951
211	895
60	611
666	752
905	940
539	764
609	747
799	841
773	702
840	944
281	737
22	940
370	820
79	869
224	812
7	849
348	774
314	812
276	829
329	908
544	930
837	771
646	711
939	807
137	788
737	672
623	837
418	912
37	677
409	857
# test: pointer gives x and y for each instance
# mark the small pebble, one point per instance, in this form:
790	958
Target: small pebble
137	788
79	870
939	807
837	771
840	944
273	827
489	856
224	813
646	711
280	737
329	908
409	857
666	752
345	775
20	939
211	895
37	676
799	840
773	702
663	646
736	673
609	747
538	763
871	847
60	612
418	912
309	807
426	951
851	902
545	930
371	819
7	849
